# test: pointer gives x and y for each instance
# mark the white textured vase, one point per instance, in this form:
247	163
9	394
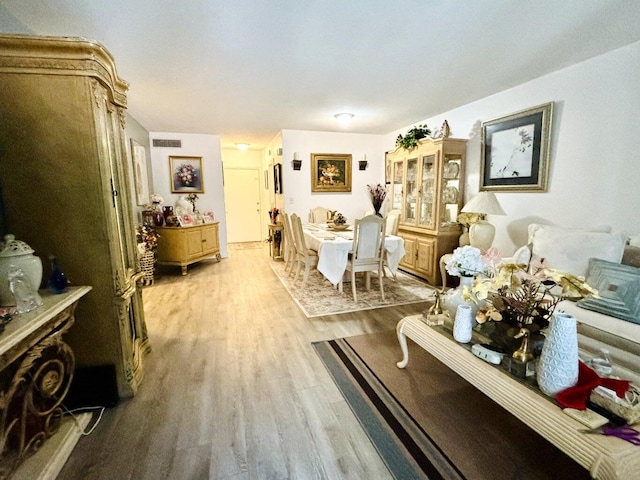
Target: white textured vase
558	364
463	324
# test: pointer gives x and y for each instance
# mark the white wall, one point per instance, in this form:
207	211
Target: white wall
298	197
207	147
594	164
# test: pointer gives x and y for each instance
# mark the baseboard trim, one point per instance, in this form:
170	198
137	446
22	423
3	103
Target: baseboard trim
47	462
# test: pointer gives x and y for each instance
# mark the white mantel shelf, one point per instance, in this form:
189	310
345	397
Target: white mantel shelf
606	458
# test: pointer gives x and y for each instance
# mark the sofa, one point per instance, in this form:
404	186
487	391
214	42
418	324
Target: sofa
610	264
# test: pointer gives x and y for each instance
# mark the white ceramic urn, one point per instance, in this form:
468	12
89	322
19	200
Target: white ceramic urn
16	253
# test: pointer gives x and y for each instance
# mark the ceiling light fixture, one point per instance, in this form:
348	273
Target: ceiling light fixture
344	118
242	146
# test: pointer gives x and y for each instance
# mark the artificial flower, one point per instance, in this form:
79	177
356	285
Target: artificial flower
465	262
377	194
510	293
467	219
157	199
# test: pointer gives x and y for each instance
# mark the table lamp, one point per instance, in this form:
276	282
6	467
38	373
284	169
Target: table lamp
481	234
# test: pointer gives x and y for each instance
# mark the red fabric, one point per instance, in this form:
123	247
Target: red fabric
577	396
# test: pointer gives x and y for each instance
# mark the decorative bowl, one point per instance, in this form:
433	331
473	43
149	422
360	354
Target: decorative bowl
339	226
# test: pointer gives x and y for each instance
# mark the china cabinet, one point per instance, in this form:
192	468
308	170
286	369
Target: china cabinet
65	183
427	187
183	246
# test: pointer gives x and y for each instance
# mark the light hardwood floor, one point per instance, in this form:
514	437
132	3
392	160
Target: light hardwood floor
233	388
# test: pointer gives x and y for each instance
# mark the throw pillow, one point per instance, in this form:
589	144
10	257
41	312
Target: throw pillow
631	256
618	289
569	250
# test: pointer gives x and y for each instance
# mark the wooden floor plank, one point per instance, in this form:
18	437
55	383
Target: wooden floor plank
233	388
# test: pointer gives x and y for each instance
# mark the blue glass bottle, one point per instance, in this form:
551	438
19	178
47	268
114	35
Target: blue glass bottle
58	280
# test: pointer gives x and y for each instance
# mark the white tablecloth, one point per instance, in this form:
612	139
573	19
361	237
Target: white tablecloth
333	250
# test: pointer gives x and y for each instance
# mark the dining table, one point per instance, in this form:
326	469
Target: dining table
333	247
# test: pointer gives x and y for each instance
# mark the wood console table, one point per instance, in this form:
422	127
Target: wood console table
183	246
606	458
36	369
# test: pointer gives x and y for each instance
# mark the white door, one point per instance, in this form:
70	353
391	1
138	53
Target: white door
242	202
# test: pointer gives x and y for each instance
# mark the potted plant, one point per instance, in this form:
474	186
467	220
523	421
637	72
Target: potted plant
410	140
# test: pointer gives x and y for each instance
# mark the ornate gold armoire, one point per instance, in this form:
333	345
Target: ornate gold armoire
64	179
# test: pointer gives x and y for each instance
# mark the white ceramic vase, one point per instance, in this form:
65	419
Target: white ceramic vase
463	324
558	364
454	297
17	254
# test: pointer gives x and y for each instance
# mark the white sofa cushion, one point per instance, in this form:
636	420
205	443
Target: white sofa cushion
569	250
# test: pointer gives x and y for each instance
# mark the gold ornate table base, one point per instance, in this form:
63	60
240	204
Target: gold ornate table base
36	369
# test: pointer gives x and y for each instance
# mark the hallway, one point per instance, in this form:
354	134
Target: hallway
233	388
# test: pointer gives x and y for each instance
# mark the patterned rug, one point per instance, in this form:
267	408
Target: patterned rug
319	297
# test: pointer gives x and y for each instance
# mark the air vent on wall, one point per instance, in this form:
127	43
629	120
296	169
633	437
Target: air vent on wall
159	142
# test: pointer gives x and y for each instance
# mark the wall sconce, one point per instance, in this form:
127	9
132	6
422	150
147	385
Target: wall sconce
363	164
296	163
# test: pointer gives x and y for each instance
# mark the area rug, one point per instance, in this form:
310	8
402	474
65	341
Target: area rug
318	297
427	422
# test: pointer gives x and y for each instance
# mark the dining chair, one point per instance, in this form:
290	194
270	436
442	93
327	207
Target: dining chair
319	215
367	252
289	245
303	254
393	221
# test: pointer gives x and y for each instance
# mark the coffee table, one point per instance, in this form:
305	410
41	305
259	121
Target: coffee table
606	458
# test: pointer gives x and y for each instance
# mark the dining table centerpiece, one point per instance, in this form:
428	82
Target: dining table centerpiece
338	222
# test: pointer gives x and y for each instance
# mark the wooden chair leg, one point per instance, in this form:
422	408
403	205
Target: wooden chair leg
353	285
306	274
297	271
380	279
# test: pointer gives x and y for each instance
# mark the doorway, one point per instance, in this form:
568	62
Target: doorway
242	202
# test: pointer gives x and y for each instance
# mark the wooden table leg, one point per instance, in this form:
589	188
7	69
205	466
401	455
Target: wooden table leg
402	339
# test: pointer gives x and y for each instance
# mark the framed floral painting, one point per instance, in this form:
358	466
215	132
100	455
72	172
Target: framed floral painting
515	151
186	174
330	172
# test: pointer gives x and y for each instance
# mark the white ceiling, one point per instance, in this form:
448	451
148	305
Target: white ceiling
245	69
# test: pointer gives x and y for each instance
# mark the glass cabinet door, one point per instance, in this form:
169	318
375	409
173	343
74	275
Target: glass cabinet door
451	197
427	191
396	184
411	191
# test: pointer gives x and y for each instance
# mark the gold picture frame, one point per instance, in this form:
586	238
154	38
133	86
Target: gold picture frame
516	150
331	172
186	174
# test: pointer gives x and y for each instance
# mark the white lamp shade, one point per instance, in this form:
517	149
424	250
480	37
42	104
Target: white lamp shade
485	203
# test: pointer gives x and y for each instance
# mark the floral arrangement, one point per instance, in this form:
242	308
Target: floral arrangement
467	219
377	194
186	175
410	140
273	215
157	199
148	237
521	299
192	198
339	219
466	261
